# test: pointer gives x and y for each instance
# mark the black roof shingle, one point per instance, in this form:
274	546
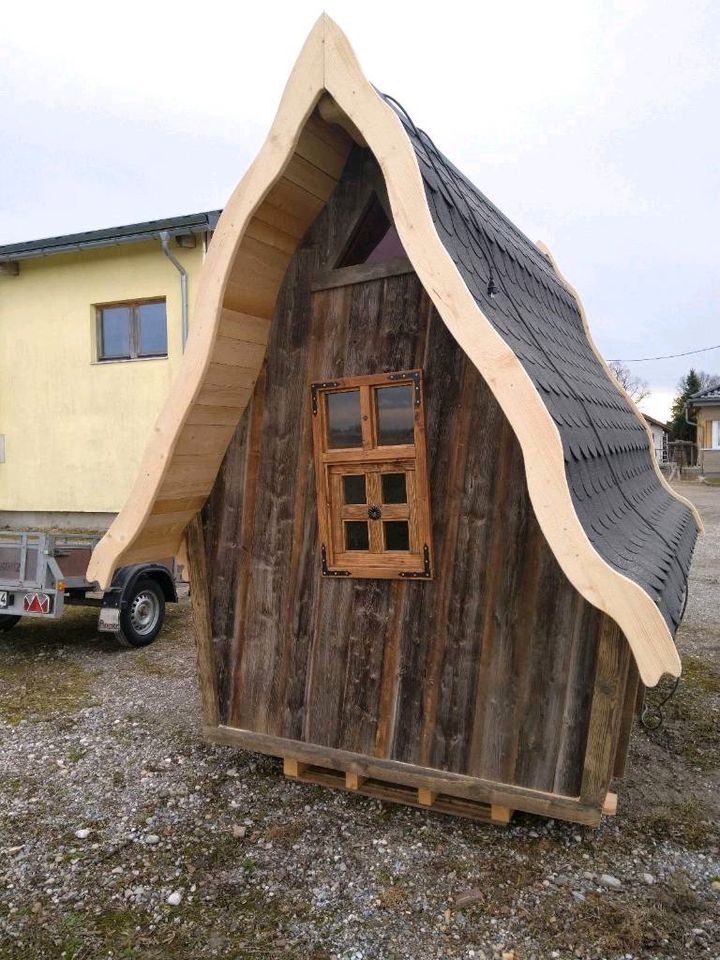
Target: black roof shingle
638	528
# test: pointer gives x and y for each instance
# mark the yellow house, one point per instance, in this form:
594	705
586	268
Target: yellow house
92	329
704	407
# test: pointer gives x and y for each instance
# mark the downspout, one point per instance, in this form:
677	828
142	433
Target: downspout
692	423
165	241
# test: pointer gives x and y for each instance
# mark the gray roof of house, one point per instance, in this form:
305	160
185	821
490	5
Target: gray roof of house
710	395
111	236
656	423
638	528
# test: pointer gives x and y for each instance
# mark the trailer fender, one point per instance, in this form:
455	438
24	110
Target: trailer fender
126	577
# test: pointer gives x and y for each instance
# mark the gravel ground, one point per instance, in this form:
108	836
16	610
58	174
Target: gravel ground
123	835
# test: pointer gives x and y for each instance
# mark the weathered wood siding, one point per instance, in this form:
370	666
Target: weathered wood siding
488	669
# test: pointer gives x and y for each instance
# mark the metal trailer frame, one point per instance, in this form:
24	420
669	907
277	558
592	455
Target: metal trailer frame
25	594
39	588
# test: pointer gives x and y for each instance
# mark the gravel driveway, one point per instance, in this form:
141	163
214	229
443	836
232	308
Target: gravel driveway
123	835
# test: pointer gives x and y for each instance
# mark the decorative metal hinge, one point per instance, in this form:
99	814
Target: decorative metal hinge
314	387
330	573
420	574
413	375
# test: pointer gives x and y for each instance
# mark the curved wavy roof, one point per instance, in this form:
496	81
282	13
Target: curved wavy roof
621	535
637	525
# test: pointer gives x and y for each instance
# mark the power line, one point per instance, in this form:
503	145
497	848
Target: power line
668	356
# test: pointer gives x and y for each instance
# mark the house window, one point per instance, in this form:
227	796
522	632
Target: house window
715	434
131	330
371	476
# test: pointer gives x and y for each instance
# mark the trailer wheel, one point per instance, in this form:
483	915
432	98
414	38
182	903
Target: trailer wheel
8	621
143	615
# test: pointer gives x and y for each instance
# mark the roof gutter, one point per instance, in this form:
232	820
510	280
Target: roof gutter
165	241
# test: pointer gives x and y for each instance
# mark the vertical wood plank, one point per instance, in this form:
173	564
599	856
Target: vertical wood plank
472	491
421	625
546	675
577	699
626	722
387	706
223	518
606	713
200	598
484	707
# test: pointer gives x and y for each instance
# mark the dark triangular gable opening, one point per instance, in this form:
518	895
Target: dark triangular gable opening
374	239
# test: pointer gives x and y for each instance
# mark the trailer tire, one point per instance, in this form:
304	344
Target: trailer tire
143	614
8	621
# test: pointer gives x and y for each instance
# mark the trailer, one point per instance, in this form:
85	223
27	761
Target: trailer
42	573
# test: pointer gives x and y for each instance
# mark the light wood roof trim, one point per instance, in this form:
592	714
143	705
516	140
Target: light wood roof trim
207	388
328	64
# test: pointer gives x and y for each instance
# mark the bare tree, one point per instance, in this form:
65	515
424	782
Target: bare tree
706	380
635	386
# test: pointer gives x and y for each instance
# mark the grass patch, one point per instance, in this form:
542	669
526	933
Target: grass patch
153	664
77	628
699	674
35	691
615	927
285	831
690	727
689	823
712	481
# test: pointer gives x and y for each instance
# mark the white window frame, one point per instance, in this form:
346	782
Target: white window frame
715	435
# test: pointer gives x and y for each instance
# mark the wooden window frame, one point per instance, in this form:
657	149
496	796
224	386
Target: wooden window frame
373	460
133	306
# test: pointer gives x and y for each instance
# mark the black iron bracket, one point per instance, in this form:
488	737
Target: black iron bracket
419	574
330	573
314	387
416	378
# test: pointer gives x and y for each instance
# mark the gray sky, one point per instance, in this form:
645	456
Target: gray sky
593	125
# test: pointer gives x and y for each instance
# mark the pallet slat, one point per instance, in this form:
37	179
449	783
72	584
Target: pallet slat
395	793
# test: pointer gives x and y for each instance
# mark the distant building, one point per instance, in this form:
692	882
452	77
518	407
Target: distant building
91	329
660	434
704	408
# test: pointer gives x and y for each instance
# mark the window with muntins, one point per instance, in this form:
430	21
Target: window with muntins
371	476
131	330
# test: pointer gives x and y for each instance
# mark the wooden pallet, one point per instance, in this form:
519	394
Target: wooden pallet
396	793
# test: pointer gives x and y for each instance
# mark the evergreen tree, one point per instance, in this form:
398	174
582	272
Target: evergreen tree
688	385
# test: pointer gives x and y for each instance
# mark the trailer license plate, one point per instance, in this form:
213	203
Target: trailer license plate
109	620
3	598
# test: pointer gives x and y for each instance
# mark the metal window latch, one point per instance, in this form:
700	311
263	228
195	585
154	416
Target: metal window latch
374	513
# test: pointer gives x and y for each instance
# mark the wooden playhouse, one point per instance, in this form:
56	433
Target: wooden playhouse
431	555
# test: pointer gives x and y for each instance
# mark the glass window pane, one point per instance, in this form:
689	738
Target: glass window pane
152	324
368	235
343	416
394	489
356	535
354	488
397	535
396	423
389	247
114	332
